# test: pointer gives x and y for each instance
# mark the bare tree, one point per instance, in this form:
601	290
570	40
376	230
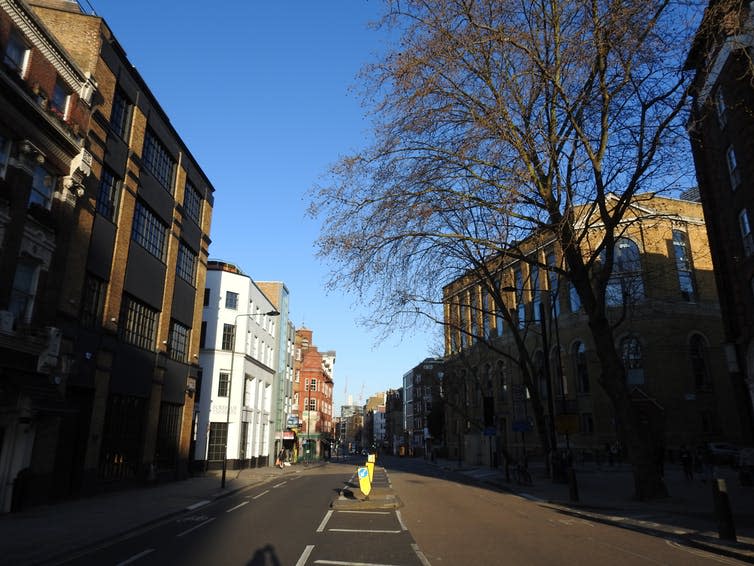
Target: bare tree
497	121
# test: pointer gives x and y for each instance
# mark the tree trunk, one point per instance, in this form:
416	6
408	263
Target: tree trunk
643	449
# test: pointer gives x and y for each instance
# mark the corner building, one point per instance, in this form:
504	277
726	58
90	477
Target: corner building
663	301
129	308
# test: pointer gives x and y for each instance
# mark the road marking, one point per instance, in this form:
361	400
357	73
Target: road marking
420	555
196	527
197	505
278	485
237	506
367	512
136	557
265	492
363	531
305	555
400	520
321	527
339	563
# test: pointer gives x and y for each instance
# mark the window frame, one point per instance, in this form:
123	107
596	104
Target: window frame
121	114
15	39
223	384
43	185
149	231
158	160
231	300
108	194
186	263
60	100
178	341
138	323
192	203
734	169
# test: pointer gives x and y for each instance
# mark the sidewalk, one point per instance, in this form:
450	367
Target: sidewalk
605	494
46	534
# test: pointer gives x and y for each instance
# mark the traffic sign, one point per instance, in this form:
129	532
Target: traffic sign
364	484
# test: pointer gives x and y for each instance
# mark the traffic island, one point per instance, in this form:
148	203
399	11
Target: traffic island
378	498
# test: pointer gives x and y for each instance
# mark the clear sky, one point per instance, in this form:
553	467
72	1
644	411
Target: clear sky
261	92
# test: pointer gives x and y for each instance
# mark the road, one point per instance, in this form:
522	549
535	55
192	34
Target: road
443	520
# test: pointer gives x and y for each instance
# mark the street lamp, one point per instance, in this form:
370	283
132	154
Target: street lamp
230	386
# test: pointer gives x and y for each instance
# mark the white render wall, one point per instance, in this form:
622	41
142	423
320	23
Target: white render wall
252	364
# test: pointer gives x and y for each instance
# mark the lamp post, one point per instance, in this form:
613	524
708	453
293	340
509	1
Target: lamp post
230	387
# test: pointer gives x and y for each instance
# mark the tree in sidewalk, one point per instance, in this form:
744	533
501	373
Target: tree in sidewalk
498	121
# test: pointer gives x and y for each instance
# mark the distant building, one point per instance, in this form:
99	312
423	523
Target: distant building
422	408
394	422
313	397
239	356
721	128
352	427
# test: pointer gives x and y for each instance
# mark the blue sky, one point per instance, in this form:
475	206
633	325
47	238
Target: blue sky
260	93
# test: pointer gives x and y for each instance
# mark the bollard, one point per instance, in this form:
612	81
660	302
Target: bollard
573	486
726	529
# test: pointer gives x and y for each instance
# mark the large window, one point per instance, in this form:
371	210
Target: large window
138	323
42	185
16	55
192	203
683	265
120	117
93	301
223	384
168	433
231	300
700	363
746	236
186	264
229	334
720	108
734	171
158	160
632	360
109	191
218	441
520	307
580	367
626	284
24	289
60	98
149	232
179	337
536	293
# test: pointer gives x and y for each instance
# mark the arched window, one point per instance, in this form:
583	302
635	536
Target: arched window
699	363
539	374
626	284
580	368
630	348
683	265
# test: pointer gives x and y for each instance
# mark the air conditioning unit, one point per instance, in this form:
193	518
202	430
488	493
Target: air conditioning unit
6	321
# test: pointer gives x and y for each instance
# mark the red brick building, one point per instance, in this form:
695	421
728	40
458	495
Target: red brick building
313	396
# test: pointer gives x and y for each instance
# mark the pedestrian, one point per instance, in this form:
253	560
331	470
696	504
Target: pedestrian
280	462
686	462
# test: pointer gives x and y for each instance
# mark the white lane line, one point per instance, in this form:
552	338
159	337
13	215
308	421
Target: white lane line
197	505
339	563
237	506
363	531
305	555
136	557
265	492
400	520
420	555
278	485
321	527
367	512
196	527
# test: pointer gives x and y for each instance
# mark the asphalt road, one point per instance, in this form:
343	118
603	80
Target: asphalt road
455	522
445	520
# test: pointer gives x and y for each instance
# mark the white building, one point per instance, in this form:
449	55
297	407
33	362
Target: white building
238	357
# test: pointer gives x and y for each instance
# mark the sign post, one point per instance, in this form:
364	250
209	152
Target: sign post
365	485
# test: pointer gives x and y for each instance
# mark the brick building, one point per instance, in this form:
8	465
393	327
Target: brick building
127	291
721	129
313	396
662	298
45	104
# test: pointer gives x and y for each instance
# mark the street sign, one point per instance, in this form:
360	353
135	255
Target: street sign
364	484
